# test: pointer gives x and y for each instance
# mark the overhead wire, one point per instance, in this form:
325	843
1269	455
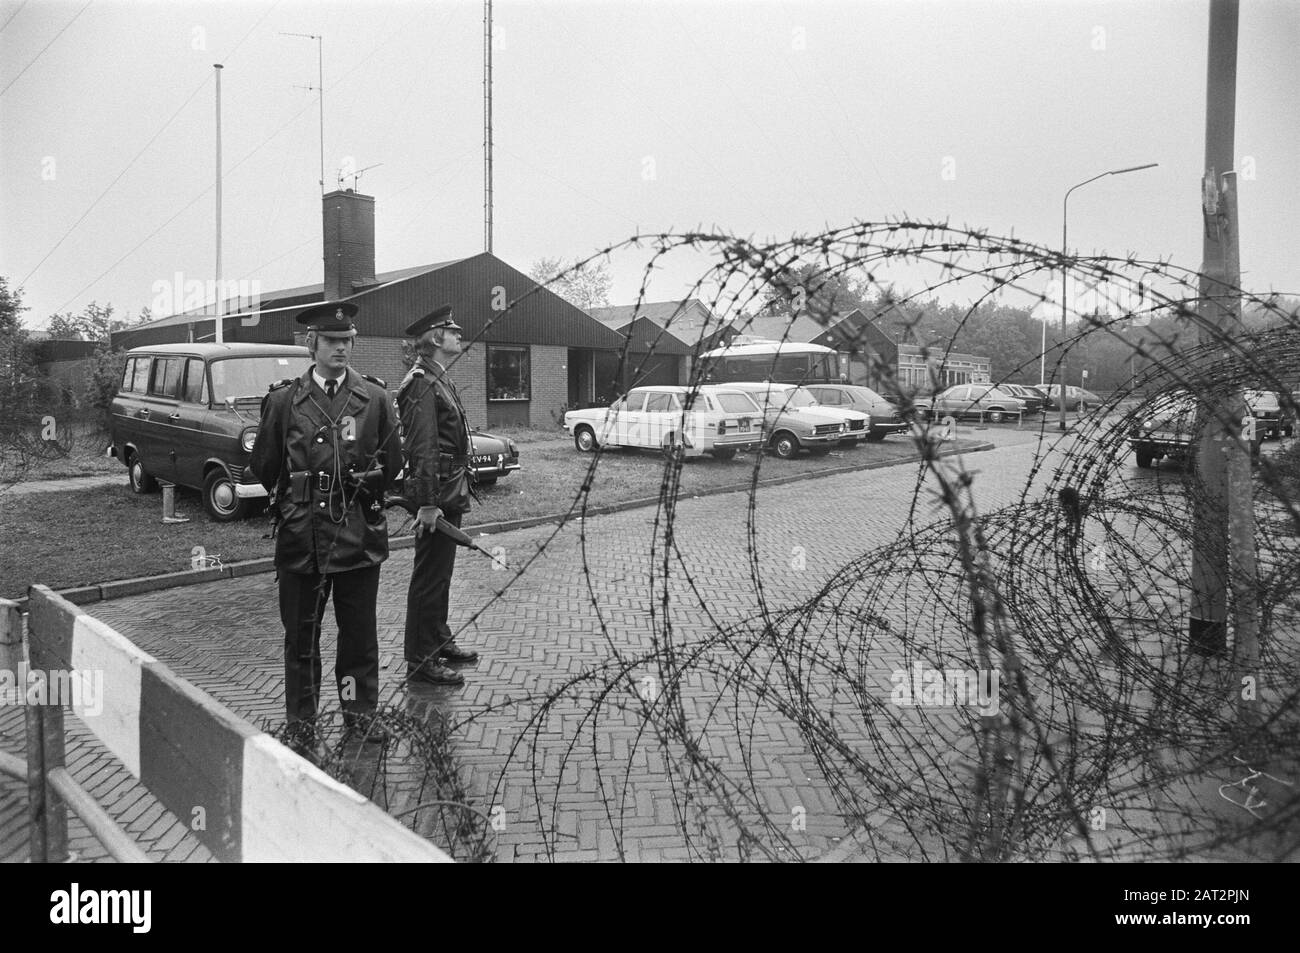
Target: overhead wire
12	15
230	169
127	168
75	18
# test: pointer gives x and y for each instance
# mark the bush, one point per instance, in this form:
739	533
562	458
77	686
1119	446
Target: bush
102	382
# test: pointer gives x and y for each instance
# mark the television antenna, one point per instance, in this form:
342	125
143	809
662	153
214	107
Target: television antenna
356	176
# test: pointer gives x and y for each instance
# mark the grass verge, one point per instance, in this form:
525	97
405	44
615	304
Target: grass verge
73	538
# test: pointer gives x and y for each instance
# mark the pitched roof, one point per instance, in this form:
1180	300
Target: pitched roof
293	297
804	328
470	285
688	320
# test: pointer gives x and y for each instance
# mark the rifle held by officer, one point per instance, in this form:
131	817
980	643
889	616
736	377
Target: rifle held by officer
458	535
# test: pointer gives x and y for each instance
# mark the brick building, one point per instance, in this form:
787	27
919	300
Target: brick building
529	352
663	337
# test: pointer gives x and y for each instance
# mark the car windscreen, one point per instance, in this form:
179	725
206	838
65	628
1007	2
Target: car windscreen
799	397
736	403
251	376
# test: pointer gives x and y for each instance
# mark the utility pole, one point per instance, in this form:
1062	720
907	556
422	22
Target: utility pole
221	288
1243	561
1207	618
487	126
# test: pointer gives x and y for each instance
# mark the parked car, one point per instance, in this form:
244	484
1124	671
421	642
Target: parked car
719	420
859	422
1034	400
491	457
1168	429
1270	416
188	414
795	421
884	416
1074	397
973	400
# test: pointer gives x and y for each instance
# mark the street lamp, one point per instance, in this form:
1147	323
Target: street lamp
1065	210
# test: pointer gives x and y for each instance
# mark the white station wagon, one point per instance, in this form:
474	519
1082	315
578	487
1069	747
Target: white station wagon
715	420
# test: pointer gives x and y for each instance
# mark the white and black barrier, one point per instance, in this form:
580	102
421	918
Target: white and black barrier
244	795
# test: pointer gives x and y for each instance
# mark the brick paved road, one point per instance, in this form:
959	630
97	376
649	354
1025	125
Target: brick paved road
571	788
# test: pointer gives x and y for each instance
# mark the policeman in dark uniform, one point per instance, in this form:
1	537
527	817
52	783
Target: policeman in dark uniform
436	437
327	448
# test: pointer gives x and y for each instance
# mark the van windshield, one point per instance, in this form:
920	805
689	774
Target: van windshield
251	376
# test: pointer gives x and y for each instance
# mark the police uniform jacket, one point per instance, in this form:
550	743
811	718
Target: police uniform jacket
436	437
305	446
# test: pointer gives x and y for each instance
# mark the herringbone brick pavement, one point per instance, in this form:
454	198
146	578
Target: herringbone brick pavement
586	779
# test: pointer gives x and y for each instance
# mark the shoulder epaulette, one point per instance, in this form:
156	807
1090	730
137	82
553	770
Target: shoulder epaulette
284	383
411	375
375	380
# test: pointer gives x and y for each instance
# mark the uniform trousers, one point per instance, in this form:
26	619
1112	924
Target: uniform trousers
427	598
356	670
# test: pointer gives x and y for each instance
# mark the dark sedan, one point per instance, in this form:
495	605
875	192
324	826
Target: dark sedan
885	418
1166	426
1034	399
491	457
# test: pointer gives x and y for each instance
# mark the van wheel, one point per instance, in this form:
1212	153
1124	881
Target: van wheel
219	498
584	438
785	445
141	482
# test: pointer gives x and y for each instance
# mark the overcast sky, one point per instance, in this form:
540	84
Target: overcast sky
764	119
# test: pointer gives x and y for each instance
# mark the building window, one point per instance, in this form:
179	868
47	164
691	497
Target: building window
507	373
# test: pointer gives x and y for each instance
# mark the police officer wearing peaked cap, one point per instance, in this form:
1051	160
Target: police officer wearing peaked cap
437	444
327	448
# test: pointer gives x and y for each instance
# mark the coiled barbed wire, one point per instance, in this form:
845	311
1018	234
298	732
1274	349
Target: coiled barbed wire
1095	731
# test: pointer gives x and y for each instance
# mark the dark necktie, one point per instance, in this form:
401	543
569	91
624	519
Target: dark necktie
330	387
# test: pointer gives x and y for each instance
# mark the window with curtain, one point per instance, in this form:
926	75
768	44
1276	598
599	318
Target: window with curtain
508	375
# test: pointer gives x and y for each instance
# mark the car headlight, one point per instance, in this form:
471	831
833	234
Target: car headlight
248	438
511	444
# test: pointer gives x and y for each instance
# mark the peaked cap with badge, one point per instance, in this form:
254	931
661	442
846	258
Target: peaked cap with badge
331	317
437	318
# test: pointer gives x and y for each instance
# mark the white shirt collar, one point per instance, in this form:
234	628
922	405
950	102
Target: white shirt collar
320	381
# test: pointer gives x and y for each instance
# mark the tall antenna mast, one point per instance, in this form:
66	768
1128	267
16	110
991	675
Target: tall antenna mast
487	125
320	90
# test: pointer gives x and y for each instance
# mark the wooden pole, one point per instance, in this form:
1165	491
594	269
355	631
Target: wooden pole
1243	559
1207	618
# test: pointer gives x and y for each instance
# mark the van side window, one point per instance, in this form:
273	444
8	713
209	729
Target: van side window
166	379
135	378
195	383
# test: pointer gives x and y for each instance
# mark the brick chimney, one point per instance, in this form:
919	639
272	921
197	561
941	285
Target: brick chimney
349	222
